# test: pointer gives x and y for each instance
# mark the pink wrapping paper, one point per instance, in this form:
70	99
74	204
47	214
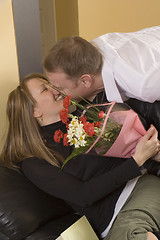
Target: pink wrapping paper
131	131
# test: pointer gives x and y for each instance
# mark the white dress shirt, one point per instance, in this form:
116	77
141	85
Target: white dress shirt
131	66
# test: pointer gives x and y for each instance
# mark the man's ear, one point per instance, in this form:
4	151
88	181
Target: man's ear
86	80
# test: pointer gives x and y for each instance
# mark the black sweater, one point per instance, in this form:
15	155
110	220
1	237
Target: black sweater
90	184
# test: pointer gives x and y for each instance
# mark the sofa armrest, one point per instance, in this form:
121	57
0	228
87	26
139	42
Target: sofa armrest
23	207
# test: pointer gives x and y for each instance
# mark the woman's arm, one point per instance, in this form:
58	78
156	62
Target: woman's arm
70	188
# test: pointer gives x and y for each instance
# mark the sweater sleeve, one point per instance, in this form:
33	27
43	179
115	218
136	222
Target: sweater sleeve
70	188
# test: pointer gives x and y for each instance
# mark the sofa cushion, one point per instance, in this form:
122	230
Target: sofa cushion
24	207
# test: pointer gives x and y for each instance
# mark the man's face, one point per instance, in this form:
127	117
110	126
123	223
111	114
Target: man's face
66	85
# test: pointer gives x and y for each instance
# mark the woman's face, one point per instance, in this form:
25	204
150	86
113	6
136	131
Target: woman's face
46	105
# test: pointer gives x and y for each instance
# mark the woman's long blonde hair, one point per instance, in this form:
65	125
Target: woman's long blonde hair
23	138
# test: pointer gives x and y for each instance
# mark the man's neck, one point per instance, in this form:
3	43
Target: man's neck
98	86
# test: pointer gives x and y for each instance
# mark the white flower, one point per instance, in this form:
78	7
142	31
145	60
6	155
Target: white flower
76	134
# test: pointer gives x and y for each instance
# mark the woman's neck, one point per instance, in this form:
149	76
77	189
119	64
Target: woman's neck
49	121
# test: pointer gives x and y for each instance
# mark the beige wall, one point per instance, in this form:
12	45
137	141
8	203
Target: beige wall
92	18
66	12
8	61
58	18
97	17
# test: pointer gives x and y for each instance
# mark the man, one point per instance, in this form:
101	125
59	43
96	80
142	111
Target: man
77	68
129	68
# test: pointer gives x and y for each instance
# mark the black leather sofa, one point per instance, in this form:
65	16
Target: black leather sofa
27	213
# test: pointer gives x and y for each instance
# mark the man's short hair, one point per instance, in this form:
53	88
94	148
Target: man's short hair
75	56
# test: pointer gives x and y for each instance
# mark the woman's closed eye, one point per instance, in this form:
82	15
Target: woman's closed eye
44	89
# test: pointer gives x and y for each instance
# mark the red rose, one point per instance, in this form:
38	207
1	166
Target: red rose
89	128
97	124
66	101
83	119
65	140
64	115
58	135
67	125
101	114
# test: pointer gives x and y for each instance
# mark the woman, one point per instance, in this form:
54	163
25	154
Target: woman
91	185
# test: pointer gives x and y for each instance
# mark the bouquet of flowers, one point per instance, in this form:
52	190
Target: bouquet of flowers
113	131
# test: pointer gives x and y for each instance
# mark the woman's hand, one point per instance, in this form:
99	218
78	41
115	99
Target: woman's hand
147	147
